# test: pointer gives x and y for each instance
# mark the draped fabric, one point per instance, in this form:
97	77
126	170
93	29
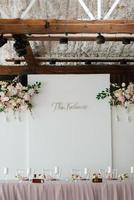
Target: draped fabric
81	190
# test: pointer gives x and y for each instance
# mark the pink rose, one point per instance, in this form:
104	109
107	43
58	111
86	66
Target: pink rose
121	99
3	99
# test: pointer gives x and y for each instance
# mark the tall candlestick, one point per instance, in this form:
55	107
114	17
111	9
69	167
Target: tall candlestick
28	172
132	169
85	171
5	171
109	170
56	169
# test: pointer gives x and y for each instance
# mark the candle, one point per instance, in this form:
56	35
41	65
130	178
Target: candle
56	170
28	172
109	170
85	170
5	171
132	169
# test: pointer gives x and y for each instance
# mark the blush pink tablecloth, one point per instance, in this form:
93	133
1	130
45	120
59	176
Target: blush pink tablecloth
82	190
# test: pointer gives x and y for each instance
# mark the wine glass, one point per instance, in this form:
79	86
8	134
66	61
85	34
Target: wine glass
28	173
57	172
5	173
19	174
114	174
103	173
76	174
47	173
132	172
86	173
108	173
111	174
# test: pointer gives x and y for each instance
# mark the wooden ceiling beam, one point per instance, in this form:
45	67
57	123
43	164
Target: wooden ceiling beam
75	37
71	69
39	26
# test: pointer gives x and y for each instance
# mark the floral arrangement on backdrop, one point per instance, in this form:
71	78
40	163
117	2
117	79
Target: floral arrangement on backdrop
16	97
118	95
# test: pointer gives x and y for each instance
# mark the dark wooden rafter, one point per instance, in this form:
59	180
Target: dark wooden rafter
86	59
29	57
67	69
23	48
38	26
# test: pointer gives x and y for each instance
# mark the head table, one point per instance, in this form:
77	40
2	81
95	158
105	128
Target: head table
63	190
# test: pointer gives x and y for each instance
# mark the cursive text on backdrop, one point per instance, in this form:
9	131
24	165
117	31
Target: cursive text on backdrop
69	106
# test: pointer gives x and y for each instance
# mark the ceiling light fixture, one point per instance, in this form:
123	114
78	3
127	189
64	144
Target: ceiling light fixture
20	45
47	24
2	41
100	39
64	40
52	62
17	62
126	41
88	62
123	62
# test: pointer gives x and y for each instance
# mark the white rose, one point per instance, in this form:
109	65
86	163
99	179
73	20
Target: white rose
11	90
123	84
18	101
118	93
21	94
12	103
19	86
2	94
127	96
23	107
3	83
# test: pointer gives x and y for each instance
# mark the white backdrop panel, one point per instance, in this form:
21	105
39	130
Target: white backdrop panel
13	144
70	127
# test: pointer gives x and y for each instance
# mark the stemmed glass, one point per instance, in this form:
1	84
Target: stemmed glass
57	172
86	173
47	173
132	172
114	174
103	173
29	172
111	174
76	174
5	173
20	174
